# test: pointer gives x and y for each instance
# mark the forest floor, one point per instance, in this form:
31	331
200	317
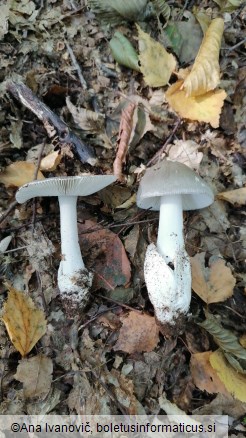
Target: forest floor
111	358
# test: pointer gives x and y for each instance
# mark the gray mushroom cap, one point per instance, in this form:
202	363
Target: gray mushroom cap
64	186
173	178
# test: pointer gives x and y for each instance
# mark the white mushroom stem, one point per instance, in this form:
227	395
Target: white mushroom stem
74	280
170	233
71	255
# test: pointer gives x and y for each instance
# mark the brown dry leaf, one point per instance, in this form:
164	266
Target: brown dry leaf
157	64
19	173
205	108
125	129
51	161
186	152
106	255
234	382
213	284
138	333
36	375
25	323
86	119
123	390
205	72
242	340
237	196
204	376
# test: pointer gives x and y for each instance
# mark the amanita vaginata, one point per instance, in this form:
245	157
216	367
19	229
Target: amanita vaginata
170	187
74	280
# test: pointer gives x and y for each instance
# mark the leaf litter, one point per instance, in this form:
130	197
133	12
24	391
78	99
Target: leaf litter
89	92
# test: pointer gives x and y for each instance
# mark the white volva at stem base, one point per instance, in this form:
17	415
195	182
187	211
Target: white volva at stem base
170	233
74	280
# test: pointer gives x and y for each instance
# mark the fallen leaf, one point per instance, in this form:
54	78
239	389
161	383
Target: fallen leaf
156	63
205	73
4	243
242	340
204	376
222	405
19	173
123	52
115	11
186	152
234	382
237	196
36	375
226	340
138	333
125	129
51	161
179	34
106	255
86	119
228	5
25	323
4	20
204	108
162	8
212	284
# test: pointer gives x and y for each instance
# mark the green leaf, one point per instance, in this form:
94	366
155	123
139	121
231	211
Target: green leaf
114	12
123	51
228	5
239	366
226	340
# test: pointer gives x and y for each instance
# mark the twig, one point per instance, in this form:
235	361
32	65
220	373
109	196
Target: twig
120	304
230	49
155	158
76	66
9	209
52	123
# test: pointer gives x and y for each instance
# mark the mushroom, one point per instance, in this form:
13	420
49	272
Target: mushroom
170	187
74	280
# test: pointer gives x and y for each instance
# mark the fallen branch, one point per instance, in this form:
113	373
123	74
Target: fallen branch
52	123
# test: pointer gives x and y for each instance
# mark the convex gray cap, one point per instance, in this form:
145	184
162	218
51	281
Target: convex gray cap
64	186
170	178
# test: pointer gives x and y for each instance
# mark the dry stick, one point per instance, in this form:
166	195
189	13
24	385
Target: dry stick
9	209
120	304
52	123
156	157
76	66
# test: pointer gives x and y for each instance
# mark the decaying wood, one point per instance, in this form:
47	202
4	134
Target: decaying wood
52	123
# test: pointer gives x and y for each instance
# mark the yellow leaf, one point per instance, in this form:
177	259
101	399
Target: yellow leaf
205	73
157	64
234	382
51	161
237	196
19	173
205	108
213	284
25	323
203	375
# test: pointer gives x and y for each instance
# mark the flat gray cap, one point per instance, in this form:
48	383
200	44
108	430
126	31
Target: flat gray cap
64	186
170	178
